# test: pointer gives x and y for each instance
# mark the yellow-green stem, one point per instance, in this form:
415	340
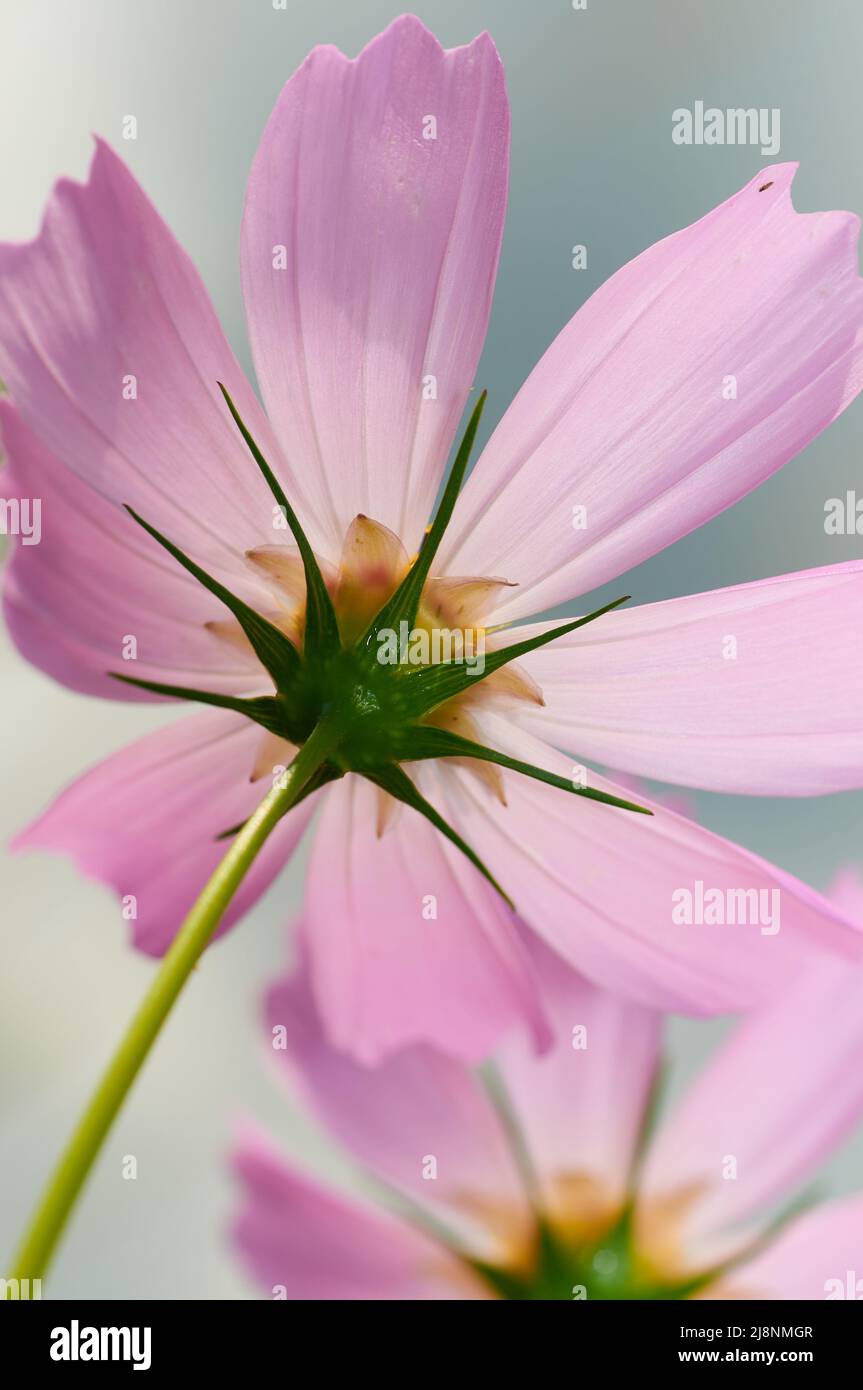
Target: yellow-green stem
32	1258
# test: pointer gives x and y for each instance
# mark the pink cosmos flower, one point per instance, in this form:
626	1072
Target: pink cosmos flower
368	260
543	1184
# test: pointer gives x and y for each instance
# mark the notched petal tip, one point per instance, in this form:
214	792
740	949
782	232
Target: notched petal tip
405	30
63	190
774	185
410	28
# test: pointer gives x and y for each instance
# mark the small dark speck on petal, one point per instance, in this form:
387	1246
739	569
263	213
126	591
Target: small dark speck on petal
764	187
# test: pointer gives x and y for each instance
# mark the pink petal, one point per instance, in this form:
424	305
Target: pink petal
597	883
625	415
301	1241
581	1105
105	295
818	1256
391	243
775	1100
654	689
73	601
420	1121
146	821
383	973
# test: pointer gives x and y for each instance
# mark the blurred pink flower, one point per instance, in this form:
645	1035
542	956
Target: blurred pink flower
368	260
582	1202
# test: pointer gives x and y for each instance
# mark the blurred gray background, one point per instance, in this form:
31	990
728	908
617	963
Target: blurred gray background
592	94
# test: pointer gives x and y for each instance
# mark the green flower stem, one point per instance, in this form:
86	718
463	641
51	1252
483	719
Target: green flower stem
58	1199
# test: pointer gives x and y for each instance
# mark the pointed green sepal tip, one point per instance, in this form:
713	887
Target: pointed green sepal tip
263	710
393	779
404	603
427	687
322	628
422	741
230	832
279	656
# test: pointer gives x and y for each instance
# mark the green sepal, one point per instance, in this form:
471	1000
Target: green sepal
403	605
322	628
425	741
426	687
264	709
560	1268
550	1279
390	778
278	655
